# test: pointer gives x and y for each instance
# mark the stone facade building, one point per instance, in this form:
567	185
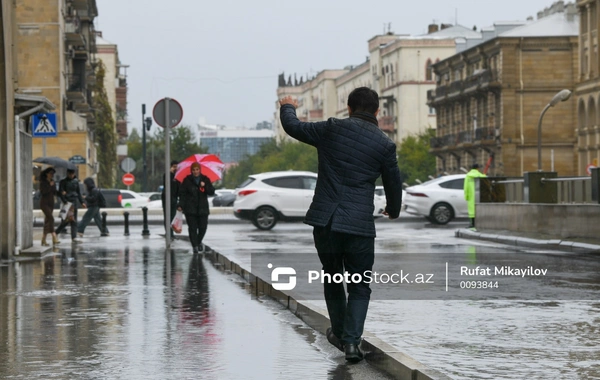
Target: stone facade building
489	97
56	59
587	93
399	68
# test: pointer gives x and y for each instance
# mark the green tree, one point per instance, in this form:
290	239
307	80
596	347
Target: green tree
414	159
273	157
104	131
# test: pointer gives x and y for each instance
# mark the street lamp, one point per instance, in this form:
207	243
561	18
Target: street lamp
559	97
146	124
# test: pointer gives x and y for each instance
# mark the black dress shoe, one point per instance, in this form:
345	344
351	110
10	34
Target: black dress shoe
334	340
353	353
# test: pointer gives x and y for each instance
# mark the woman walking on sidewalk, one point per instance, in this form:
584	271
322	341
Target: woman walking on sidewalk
193	202
48	191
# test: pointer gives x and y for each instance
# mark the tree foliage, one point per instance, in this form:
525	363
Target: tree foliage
414	159
104	131
182	142
273	157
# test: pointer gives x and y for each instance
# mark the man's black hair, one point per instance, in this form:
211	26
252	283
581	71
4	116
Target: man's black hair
363	99
475	166
70	171
174	162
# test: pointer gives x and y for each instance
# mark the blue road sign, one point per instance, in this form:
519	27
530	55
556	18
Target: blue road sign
44	125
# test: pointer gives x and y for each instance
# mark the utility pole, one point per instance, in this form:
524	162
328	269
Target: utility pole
146	124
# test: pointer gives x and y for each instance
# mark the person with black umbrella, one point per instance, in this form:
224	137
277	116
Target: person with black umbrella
68	191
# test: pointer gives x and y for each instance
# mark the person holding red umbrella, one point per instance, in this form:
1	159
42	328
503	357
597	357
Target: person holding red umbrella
193	202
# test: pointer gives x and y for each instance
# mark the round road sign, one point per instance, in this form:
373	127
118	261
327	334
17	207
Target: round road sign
160	114
128	179
128	164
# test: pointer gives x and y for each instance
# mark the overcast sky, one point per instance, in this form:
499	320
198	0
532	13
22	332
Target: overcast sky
220	59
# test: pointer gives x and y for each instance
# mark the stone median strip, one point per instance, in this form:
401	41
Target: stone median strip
379	354
525	242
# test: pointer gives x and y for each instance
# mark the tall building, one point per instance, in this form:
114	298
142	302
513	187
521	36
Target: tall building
588	90
398	67
489	97
232	145
56	60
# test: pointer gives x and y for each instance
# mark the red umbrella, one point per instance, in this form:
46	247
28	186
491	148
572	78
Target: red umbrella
210	165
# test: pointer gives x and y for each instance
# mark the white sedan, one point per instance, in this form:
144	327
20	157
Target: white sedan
439	200
133	199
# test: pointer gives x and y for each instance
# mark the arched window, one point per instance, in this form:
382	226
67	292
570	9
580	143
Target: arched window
428	70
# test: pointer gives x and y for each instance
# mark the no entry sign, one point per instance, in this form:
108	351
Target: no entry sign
128	179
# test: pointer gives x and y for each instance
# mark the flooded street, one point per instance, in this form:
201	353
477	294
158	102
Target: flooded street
127	310
530	327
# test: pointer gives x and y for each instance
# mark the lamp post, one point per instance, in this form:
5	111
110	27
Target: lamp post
146	124
559	97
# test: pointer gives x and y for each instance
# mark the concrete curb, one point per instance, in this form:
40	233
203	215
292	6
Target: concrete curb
524	242
379	354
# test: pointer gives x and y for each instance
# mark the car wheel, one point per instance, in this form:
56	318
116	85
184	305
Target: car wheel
442	213
265	218
230	204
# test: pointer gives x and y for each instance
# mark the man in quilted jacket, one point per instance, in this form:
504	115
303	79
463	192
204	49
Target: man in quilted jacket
353	153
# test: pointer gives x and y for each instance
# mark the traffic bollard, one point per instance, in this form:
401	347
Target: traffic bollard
145	231
126	215
104	230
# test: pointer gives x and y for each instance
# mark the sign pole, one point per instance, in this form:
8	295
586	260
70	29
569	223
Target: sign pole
167	176
43	147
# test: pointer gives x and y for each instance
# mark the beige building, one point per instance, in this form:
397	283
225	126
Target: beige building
115	84
489	97
588	90
399	68
56	60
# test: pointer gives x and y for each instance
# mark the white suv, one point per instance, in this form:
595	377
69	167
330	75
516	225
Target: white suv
267	198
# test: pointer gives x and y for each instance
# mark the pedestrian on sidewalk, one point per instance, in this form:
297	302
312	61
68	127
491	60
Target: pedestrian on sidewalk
174	195
353	153
93	200
193	202
68	191
48	192
469	188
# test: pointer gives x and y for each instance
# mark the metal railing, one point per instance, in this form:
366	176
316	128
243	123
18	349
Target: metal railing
572	189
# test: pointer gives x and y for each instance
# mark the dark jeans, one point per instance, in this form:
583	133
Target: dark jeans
91	213
72	224
197	225
354	254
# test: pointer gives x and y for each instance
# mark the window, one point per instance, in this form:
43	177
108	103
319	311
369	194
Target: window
309	183
431	110
428	70
127	196
286	182
455	184
246	182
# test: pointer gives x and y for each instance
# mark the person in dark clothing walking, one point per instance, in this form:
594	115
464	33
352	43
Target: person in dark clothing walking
352	154
48	191
92	201
193	202
68	191
174	195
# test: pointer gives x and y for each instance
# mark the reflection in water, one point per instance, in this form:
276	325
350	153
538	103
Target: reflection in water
140	312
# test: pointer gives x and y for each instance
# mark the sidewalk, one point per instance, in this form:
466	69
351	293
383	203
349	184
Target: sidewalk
213	327
536	241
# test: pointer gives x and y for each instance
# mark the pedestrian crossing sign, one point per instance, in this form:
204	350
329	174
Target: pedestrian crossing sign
44	125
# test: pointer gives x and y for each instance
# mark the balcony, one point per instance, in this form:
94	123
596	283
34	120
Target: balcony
436	142
315	114
486	133
387	124
465	137
449	140
76	88
73	34
456	87
430	95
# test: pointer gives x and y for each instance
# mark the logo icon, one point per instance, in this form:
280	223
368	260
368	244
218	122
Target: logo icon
282	271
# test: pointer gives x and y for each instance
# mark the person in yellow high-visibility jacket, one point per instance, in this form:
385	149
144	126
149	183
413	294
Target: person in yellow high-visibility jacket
469	188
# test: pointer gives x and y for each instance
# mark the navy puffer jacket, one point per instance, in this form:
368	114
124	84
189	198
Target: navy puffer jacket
353	153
